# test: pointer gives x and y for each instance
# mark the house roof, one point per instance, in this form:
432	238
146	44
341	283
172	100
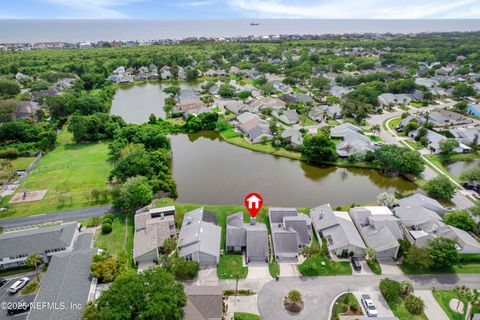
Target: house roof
235	233
203	302
257	240
419	199
68	279
323	217
415	215
37	240
343	129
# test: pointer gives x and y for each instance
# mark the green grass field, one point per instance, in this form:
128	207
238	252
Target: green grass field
17	164
113	242
393	123
72	169
399	310
312	267
443	298
245	316
274	269
230	267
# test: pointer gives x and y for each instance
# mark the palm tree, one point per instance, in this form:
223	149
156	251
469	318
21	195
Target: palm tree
376	128
463	294
34	260
371	253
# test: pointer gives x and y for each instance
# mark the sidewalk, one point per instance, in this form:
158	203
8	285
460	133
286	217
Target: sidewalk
432	308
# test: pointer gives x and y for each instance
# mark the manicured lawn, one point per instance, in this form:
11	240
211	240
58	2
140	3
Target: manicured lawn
393	123
306	121
229	133
374	266
178	121
414	144
263	147
230	267
71	169
245	316
312	266
113	243
399	310
443	298
274	269
462	268
346	304
375	138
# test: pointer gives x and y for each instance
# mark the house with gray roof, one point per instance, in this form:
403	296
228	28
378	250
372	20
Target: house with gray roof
68	280
152	228
338	230
434	140
379	229
303	98
249	237
289	116
424	201
334	111
203	303
338	91
199	238
354	143
343	129
16	246
317	113
390	99
441	118
467	135
293	137
290	232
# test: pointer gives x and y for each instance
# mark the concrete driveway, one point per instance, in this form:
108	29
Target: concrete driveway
258	271
432	308
289	269
390	267
365	271
382	306
242	304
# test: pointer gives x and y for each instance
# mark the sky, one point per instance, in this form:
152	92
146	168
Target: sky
239	9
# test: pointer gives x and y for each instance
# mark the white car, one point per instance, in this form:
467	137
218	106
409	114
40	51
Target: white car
369	306
18	285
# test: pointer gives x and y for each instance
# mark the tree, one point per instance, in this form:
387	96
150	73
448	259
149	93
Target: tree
244	95
172	90
134	193
184	269
376	128
192	75
443	252
440	188
461	220
151	294
222	124
397	159
371	253
407	287
390	289
419	258
461	107
226	91
319	148
169	246
9	88
34	260
463	90
448	146
471	175
7	110
414	305
105	268
387	199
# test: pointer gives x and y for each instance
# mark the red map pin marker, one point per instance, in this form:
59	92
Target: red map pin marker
253	202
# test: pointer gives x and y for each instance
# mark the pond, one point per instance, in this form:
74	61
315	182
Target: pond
210	171
135	103
456	168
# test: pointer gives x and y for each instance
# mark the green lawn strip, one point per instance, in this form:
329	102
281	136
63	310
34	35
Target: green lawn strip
393	124
75	169
245	316
231	267
398	308
374	266
33	286
113	242
375	138
414	144
343	305
461	268
443	298
312	267
263	147
274	269
14	271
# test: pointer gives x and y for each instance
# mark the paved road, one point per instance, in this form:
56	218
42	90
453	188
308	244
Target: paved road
319	293
6	297
64	216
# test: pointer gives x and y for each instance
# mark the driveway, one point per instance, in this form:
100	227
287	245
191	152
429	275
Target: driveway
432	308
242	304
318	293
390	267
382	306
289	269
365	271
6	297
258	271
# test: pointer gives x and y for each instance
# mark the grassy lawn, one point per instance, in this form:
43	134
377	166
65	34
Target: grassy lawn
263	147
414	144
374	266
416	104
74	169
230	266
440	161
17	164
443	298
33	286
393	123
113	242
346	304
274	269
178	121
375	138
306	121
312	266
15	271
245	316
399	310
462	268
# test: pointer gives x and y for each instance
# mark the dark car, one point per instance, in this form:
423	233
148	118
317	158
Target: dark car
356	264
2	282
19	306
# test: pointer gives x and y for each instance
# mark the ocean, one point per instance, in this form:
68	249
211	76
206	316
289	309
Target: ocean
109	30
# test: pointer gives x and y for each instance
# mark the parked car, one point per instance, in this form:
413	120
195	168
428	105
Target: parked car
18	307
356	264
370	307
3	282
18	285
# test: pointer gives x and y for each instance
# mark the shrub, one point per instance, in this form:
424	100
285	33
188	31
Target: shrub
106	228
390	289
93	222
107	221
110	216
185	269
414	304
295	296
9	154
440	188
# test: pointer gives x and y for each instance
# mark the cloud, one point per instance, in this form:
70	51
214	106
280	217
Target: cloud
351	9
197	3
95	8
